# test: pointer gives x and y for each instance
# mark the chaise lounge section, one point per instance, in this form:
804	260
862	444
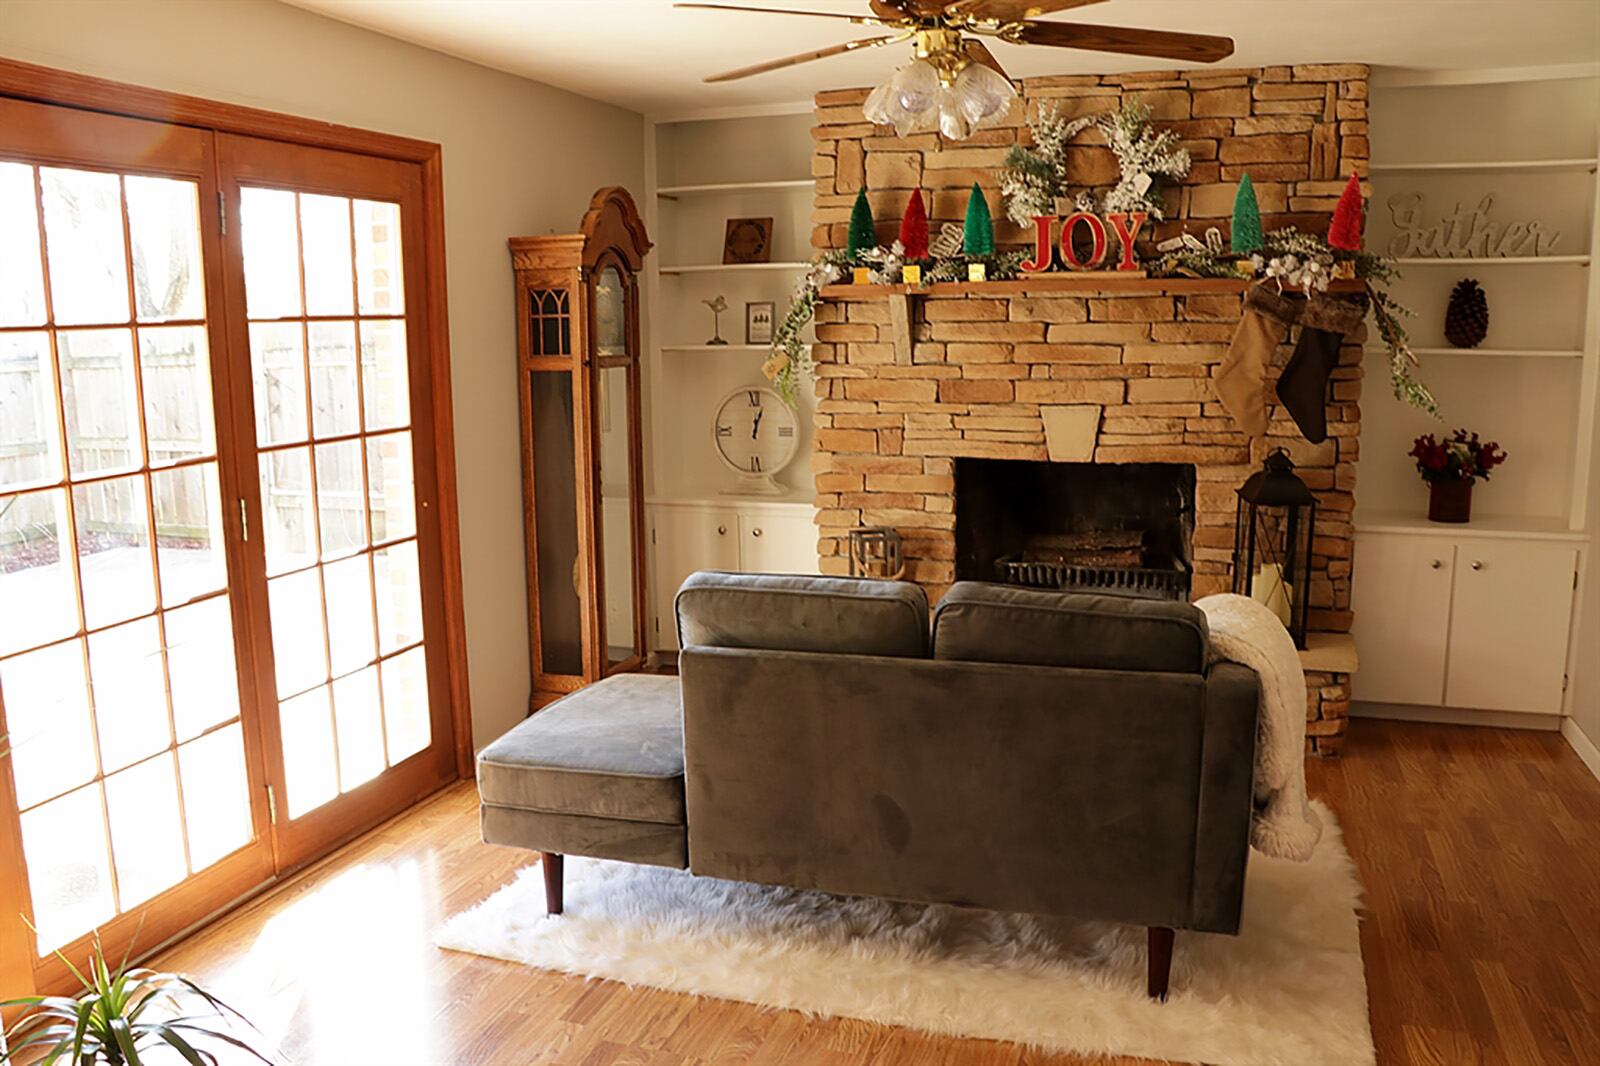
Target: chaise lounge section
1038	752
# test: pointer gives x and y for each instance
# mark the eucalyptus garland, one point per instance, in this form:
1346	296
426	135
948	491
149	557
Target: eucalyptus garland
790	362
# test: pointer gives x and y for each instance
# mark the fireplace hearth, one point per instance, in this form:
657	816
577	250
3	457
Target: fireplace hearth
1125	528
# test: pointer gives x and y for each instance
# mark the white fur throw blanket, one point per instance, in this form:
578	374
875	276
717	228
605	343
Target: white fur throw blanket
1248	633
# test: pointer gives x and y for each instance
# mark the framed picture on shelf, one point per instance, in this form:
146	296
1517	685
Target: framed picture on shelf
758	322
748	240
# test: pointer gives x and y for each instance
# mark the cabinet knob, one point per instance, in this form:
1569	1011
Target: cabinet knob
722	531
1437	563
1477	564
755	532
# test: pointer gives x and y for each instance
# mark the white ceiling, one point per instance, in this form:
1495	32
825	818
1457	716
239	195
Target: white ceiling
648	57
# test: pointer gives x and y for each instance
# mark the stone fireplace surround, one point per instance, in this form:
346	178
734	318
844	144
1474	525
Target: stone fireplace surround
1092	367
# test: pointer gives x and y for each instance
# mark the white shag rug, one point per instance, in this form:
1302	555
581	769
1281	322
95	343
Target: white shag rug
1288	989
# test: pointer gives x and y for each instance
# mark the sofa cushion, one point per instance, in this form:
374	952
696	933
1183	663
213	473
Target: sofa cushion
783	612
1005	624
612	750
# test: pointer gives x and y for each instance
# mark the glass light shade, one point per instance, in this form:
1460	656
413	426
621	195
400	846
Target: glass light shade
916	85
982	92
953	122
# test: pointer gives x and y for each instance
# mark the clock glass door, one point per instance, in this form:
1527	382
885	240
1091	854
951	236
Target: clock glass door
617	436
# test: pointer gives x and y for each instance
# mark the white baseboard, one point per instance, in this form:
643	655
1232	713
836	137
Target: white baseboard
1405	712
1582	745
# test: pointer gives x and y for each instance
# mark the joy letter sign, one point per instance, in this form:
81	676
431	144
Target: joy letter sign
1125	224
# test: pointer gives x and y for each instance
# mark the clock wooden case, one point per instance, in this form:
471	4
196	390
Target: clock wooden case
578	383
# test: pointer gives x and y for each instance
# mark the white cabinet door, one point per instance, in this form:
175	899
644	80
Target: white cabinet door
1401	590
773	543
1509	626
688	539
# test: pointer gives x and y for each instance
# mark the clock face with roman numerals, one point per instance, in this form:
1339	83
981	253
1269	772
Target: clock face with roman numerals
756	433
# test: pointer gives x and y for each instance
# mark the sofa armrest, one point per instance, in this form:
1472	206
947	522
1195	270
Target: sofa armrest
1227	770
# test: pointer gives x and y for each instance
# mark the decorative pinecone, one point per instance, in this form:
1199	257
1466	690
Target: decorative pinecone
1466	320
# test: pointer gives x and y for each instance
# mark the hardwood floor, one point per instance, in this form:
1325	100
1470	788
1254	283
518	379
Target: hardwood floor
1479	849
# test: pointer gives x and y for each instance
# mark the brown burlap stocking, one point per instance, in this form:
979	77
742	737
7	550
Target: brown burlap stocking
1241	379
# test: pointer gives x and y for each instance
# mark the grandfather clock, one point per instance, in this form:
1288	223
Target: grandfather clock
582	464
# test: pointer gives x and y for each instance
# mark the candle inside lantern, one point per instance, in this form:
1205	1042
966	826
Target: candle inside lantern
1269	589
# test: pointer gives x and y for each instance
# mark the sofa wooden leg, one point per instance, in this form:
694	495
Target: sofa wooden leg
1159	960
551	861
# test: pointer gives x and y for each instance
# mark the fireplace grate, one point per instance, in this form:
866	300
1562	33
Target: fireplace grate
1150	582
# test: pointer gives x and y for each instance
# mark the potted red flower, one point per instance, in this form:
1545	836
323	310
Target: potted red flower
1450	467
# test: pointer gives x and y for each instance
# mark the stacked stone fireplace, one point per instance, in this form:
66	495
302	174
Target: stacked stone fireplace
918	392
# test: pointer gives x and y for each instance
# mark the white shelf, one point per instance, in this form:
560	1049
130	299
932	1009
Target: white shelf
1532	527
671	191
718	268
716	347
1497	353
711	498
1494	260
1484	166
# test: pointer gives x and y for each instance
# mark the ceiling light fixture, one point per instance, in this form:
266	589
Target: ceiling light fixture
942	90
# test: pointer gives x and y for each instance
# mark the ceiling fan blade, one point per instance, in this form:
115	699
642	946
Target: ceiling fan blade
806	57
860	20
1163	44
979	53
1014	10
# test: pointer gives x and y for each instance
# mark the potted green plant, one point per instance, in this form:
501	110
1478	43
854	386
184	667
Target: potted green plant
1450	467
118	1017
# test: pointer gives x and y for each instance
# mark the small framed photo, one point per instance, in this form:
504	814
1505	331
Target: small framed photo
758	319
748	240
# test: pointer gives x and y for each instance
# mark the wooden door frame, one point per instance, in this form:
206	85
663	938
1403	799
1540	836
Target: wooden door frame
28	81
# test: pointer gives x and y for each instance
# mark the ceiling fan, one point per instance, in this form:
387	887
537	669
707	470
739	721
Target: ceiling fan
955	83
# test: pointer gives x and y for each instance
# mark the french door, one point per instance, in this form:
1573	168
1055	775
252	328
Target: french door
221	579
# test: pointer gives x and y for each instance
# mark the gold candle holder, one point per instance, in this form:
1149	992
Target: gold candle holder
911	274
862	275
977	272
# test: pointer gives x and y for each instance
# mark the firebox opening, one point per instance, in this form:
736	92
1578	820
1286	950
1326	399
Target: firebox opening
1105	527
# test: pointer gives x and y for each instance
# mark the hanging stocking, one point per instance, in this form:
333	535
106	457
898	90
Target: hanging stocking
1241	380
1303	385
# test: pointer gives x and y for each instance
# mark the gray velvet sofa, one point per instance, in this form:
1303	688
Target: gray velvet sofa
1030	751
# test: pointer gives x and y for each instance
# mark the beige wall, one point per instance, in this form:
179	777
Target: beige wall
519	158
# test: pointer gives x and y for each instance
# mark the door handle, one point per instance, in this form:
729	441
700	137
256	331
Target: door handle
755	532
1477	564
722	531
1437	563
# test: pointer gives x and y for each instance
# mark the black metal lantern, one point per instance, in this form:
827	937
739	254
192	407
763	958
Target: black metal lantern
1272	532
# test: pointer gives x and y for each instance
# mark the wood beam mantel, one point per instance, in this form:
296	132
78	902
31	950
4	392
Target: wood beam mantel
1087	284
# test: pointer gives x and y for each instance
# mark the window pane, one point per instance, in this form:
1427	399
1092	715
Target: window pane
164	222
325	238
35	570
390	487
46	695
341	498
399	590
271	253
101	400
83	235
64	845
386	391
360	728
296	606
378	258
286	506
348	585
130	693
205	686
334	410
215	802
310	767
114	550
30	436
405	704
278	377
146	829
21	275
189	543
176	367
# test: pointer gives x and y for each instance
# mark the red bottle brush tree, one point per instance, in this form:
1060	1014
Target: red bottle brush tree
914	227
1345	231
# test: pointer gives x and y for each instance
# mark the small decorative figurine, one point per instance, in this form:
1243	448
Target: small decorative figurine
717	305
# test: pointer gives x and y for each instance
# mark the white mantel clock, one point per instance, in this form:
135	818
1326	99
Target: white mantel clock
756	434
